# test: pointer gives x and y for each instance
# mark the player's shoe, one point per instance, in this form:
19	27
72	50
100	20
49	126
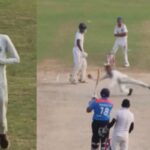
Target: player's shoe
82	81
127	65
4	142
72	81
130	92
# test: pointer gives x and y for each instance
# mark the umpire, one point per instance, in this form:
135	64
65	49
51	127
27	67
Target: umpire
101	108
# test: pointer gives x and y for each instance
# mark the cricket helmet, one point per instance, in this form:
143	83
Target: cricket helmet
105	93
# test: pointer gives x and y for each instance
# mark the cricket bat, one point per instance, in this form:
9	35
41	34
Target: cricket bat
97	82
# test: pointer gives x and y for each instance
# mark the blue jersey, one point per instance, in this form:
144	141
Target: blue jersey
101	108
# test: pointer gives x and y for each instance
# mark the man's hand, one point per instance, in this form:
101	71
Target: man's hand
84	54
121	34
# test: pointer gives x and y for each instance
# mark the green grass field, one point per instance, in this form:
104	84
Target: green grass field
58	19
18	19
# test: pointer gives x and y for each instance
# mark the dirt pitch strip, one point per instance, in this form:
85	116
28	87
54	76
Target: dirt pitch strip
62	122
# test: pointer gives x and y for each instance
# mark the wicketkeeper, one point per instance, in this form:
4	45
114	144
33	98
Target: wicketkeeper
102	108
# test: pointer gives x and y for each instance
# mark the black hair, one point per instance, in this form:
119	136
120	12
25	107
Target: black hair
82	26
125	103
105	93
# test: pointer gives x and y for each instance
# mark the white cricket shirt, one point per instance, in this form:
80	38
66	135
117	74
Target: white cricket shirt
124	118
122	29
80	37
8	55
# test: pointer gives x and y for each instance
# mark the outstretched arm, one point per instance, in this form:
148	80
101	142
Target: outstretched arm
13	55
105	76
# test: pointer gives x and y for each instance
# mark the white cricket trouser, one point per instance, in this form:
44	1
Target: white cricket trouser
3	100
123	45
8	55
124	81
120	141
80	65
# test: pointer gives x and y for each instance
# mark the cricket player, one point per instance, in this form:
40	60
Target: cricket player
121	34
8	55
122	80
124	124
102	108
79	56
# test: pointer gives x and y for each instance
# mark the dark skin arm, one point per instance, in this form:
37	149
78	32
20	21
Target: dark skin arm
131	127
121	34
111	124
88	110
79	46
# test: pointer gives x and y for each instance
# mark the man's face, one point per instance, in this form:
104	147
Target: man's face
108	69
83	30
119	22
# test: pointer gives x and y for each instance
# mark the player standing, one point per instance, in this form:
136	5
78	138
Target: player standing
79	56
102	108
121	34
124	124
8	55
122	80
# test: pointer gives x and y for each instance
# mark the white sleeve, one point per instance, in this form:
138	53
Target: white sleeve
78	36
104	76
116	115
115	30
132	118
12	52
125	29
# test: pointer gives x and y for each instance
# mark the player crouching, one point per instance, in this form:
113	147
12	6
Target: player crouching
79	56
102	108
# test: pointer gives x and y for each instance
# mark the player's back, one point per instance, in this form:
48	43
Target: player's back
102	109
124	119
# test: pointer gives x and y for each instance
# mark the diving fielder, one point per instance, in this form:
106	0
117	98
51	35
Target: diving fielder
79	56
8	55
121	34
122	80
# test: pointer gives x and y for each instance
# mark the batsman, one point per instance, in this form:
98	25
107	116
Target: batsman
102	108
79	56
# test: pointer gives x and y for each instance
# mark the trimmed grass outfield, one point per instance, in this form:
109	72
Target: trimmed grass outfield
17	19
58	19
